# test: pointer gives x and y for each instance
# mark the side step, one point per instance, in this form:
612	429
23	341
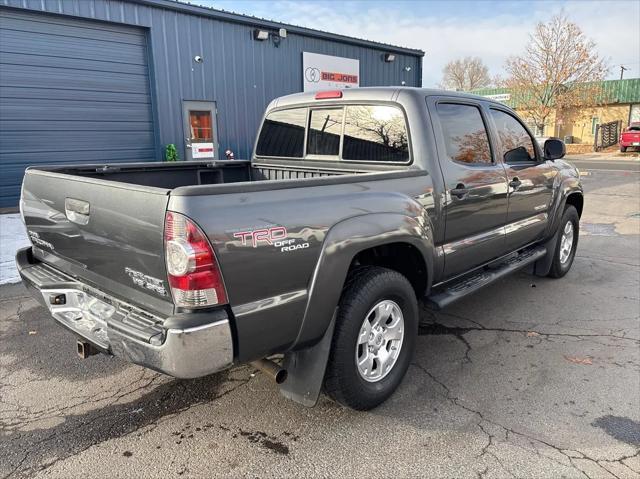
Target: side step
470	284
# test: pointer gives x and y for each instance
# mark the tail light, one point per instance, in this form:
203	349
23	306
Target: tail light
194	275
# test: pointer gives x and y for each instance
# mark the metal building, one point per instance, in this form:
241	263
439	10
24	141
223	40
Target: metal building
117	80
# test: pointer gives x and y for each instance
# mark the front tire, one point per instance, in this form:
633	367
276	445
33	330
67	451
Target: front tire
567	243
374	338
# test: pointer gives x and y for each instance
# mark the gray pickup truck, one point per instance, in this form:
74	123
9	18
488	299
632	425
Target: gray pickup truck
355	205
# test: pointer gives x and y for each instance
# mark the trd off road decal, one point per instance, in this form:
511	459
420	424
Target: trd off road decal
276	236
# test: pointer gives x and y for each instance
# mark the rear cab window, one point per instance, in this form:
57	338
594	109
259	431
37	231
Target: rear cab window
350	133
282	134
325	128
375	133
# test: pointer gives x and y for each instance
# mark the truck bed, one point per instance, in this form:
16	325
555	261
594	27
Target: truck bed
181	174
104	223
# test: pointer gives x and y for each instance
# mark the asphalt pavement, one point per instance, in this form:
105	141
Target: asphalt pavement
530	377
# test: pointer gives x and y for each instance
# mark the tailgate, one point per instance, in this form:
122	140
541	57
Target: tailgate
107	233
631	136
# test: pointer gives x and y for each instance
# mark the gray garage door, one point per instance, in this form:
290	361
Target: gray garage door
70	91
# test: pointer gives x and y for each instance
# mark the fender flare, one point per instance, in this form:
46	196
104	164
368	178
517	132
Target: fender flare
342	243
568	187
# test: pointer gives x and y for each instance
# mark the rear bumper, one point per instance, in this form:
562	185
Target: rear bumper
203	346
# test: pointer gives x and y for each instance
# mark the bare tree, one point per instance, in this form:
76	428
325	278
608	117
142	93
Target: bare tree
465	74
559	69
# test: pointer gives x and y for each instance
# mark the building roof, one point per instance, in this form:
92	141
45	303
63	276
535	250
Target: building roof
186	7
614	91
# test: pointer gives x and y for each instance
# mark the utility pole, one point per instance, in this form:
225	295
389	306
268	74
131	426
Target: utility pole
622	69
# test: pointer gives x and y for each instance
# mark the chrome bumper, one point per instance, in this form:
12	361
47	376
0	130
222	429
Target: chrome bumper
123	330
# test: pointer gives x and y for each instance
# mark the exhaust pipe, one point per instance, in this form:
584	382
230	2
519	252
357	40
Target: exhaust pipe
86	349
271	369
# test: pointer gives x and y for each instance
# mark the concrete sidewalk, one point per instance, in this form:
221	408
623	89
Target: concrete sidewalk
13	236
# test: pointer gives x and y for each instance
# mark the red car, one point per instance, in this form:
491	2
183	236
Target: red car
630	136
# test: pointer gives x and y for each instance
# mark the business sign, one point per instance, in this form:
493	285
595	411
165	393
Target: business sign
502	97
324	72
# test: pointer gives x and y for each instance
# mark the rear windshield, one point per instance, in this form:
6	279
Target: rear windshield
282	134
368	133
634	128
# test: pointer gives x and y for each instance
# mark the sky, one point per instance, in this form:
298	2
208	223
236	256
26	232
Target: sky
447	30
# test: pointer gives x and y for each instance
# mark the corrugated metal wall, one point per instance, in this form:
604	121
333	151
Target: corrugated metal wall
240	74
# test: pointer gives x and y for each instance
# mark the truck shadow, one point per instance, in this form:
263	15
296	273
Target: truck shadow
31	451
34	341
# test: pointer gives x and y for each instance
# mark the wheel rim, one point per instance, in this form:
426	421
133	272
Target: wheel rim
566	242
379	341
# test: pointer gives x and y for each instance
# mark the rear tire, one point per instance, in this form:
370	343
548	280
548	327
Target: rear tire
384	299
623	149
567	243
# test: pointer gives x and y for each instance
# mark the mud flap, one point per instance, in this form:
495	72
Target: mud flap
305	369
543	265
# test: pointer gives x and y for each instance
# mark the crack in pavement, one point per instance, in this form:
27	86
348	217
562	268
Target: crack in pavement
438	328
115	420
29	416
532	440
621	263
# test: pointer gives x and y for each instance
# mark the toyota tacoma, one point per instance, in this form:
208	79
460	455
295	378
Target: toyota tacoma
355	205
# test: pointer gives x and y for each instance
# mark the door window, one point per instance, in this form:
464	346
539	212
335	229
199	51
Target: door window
517	144
375	133
325	127
538	132
282	134
465	135
200	126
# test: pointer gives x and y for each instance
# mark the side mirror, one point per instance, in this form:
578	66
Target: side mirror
517	155
554	149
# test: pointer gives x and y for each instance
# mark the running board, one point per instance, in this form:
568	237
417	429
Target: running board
470	284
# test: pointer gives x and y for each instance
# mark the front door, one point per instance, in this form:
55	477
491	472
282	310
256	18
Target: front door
475	184
200	130
530	180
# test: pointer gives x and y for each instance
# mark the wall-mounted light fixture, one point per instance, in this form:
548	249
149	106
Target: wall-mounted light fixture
407	69
260	35
198	59
389	57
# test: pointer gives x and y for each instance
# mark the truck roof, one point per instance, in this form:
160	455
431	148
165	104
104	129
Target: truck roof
383	93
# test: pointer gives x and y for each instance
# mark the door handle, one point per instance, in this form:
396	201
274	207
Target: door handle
460	191
77	210
515	183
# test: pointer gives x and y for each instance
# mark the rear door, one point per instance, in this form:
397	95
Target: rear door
530	179
107	234
200	130
475	184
